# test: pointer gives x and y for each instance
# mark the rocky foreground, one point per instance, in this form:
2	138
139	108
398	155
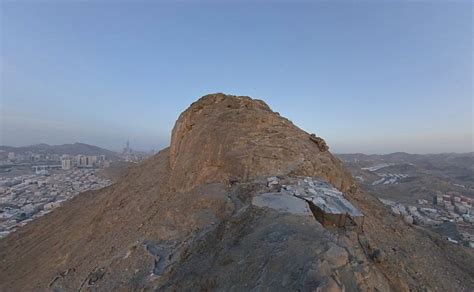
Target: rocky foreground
192	218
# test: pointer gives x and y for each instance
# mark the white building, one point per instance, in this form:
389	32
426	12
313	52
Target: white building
83	161
66	163
91	161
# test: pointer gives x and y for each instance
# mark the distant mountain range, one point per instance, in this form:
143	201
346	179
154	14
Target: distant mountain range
402	155
441	160
69	149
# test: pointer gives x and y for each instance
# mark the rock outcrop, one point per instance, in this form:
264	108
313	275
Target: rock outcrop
199	216
222	136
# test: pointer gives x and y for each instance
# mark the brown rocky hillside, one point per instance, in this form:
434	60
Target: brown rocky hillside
185	220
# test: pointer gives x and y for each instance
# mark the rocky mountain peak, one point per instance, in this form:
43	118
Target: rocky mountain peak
224	136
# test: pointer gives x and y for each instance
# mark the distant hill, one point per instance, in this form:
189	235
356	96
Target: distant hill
69	149
441	160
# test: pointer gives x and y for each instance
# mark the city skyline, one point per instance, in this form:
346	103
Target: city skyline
367	77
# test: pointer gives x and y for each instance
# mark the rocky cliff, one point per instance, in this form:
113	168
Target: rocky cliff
186	219
221	137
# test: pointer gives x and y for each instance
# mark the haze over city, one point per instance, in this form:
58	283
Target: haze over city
372	77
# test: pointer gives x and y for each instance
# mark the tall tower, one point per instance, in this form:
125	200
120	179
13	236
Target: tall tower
126	150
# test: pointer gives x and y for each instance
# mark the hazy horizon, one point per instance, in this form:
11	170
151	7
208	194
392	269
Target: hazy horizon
159	149
372	77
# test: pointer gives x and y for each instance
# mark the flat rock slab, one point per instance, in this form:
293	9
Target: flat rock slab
282	202
324	196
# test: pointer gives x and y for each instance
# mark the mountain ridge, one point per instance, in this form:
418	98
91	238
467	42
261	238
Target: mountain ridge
68	149
185	220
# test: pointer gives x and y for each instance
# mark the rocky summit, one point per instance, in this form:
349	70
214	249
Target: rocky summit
241	200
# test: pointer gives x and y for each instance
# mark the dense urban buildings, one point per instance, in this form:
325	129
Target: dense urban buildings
26	197
36	179
445	208
434	191
33	183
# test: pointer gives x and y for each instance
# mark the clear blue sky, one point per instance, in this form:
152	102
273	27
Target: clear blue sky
373	77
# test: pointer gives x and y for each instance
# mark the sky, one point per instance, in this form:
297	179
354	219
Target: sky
367	76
